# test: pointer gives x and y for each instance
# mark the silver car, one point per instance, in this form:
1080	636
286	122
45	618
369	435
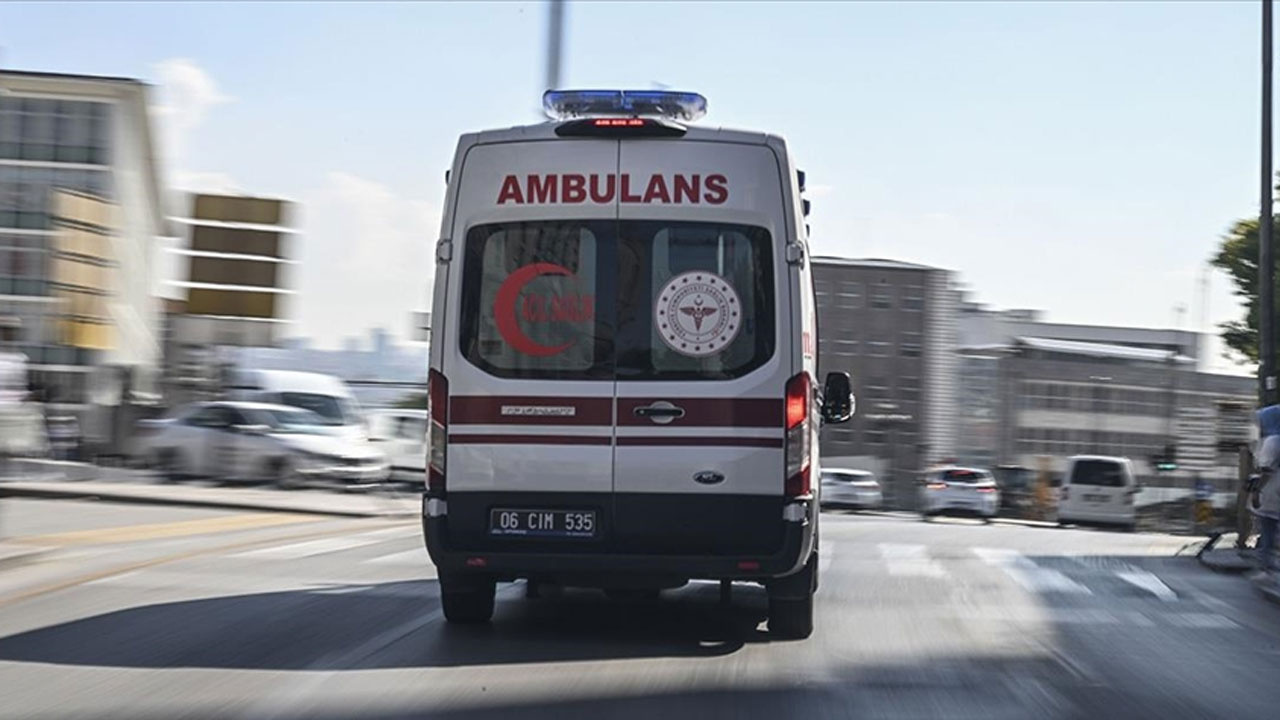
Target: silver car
258	441
857	489
959	491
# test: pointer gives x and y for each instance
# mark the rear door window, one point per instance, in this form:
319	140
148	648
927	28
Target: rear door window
1098	473
530	300
695	300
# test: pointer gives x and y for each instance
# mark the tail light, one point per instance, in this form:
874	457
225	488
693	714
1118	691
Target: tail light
438	434
986	489
799	435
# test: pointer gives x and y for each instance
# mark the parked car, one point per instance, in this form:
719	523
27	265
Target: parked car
257	441
402	436
1098	489
856	489
959	491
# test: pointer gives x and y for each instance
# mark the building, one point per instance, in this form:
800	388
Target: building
233	265
80	218
1033	393
892	326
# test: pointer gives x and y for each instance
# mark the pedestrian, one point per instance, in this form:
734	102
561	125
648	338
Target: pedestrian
1264	500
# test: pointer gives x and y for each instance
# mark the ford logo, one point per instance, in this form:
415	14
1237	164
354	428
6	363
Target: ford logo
708	477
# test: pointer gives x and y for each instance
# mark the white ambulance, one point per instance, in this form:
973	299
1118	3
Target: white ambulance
622	382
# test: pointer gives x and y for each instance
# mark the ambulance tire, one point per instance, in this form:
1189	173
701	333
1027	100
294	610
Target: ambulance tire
469	604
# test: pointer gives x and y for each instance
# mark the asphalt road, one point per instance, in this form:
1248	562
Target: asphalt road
166	613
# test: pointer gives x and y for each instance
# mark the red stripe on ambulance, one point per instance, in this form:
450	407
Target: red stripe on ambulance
575	188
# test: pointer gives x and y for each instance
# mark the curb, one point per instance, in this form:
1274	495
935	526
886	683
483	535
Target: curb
100	492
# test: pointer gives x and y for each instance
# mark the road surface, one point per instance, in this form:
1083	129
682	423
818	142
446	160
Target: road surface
152	612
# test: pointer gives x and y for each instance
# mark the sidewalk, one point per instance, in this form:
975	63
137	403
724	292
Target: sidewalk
317	502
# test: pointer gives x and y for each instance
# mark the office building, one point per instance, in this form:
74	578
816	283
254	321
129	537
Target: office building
1033	393
233	262
892	326
80	217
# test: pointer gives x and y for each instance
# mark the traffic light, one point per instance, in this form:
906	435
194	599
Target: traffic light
1166	460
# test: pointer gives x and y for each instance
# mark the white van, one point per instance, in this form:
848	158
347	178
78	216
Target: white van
1098	489
622	383
325	395
401	433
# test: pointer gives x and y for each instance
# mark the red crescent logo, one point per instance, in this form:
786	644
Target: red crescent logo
504	309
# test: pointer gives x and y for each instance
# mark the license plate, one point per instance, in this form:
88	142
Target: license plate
1095	498
519	522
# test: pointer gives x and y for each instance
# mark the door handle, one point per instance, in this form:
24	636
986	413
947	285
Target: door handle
660	412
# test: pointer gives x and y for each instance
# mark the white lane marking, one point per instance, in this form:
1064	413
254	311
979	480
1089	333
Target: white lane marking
1028	574
414	556
909	561
1201	621
1149	582
294	551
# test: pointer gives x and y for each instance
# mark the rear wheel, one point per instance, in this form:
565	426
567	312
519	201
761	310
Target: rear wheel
283	475
169	465
467	602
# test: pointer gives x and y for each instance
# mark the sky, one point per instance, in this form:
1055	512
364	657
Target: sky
1079	158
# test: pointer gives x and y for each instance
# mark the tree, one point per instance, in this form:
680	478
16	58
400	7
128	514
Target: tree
1238	257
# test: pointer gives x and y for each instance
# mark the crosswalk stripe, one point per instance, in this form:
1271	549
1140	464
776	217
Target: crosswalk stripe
293	551
1149	582
1201	621
1029	575
909	561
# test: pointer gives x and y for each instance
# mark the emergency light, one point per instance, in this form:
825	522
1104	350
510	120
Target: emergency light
569	104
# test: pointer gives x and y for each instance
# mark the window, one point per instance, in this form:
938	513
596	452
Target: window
542	299
882	298
879	348
529	300
909	349
704	337
334	410
845	348
913	298
1099	473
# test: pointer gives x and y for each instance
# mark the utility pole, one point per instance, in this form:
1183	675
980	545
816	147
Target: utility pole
555	43
1266	258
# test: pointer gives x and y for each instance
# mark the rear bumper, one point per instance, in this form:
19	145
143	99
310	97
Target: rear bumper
797	542
953	507
853	498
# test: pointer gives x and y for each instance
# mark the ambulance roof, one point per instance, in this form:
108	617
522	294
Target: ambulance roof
547	131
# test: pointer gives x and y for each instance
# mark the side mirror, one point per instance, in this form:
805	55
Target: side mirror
251	429
837	398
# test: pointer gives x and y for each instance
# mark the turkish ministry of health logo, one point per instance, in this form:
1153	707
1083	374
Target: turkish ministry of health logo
697	313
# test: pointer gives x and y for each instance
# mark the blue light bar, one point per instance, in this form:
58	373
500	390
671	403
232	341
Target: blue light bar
568	104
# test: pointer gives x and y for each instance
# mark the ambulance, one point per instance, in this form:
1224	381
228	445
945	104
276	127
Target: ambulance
623	373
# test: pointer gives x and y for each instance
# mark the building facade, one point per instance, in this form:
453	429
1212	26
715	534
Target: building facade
892	326
76	273
1035	393
233	265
